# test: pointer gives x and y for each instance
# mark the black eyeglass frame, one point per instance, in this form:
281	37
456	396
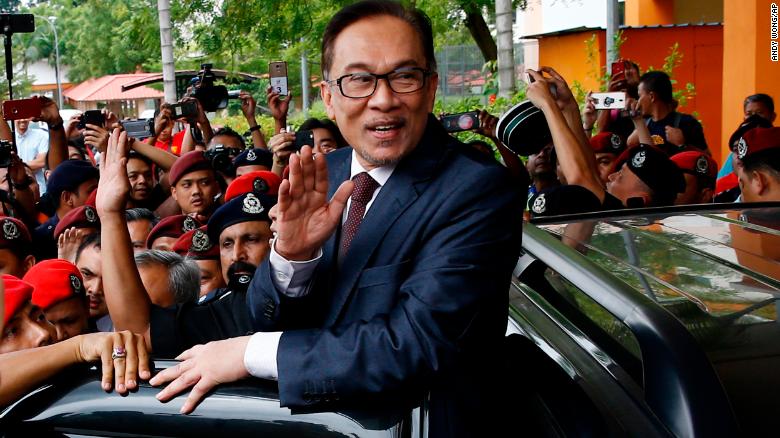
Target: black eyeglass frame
426	73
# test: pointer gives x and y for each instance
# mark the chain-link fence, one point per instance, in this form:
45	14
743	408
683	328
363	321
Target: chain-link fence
460	71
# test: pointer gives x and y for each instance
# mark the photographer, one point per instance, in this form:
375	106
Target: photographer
646	178
625	80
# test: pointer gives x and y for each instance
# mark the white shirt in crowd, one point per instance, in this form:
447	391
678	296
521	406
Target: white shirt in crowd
31	144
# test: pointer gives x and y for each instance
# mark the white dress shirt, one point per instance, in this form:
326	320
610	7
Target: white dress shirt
29	145
292	279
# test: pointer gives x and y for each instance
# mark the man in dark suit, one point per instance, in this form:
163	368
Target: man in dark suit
398	285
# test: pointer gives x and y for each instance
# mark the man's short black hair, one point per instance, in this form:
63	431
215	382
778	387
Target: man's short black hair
767	160
138	214
313	123
659	83
133	155
760	98
88	242
371	8
227	131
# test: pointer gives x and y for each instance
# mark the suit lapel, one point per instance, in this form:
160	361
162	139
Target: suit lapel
338	172
405	185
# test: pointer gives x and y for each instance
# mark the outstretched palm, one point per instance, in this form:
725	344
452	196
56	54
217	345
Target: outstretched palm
305	219
114	186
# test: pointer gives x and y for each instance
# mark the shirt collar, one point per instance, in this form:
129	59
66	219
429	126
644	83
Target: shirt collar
380	174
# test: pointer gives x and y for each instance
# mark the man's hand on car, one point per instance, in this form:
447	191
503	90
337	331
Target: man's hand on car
203	367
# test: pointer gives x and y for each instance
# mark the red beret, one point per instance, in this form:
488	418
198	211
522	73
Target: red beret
172	226
17	293
54	280
758	140
14	232
92	199
607	142
80	217
196	244
696	163
261	182
189	162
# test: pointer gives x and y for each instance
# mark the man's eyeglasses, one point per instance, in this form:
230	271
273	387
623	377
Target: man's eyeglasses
402	81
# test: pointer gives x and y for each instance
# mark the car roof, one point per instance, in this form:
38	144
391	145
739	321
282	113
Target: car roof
716	268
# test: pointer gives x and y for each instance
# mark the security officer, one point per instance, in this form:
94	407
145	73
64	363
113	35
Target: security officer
196	245
58	290
15	247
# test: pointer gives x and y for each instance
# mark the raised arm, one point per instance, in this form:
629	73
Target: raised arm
279	108
58	144
127	300
577	162
248	106
162	158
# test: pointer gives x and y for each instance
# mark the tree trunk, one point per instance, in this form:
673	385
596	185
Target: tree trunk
166	49
479	30
506	52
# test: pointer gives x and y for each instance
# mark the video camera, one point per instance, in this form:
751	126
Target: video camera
211	97
221	158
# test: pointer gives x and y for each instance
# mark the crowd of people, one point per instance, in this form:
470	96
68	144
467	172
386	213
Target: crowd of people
328	267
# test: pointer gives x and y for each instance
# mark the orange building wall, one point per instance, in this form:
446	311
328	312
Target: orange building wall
568	55
702	64
747	67
649	12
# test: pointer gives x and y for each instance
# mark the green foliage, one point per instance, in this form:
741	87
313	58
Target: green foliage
671	62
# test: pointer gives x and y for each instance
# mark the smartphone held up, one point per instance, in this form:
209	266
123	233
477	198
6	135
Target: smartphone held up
277	72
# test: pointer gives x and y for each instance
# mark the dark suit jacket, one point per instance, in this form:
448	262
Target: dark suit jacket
420	301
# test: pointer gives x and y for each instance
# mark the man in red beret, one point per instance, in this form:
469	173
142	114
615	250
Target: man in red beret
759	150
193	184
196	245
24	325
261	182
700	172
607	146
164	235
15	247
71	230
58	290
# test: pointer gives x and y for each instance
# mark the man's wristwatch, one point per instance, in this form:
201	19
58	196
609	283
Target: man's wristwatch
56	126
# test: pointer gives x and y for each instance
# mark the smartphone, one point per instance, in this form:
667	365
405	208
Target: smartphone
605	101
553	88
619	69
233	94
139	129
187	110
22	108
303	138
92	117
277	71
460	121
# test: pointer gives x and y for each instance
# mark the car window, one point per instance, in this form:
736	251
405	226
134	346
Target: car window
603	328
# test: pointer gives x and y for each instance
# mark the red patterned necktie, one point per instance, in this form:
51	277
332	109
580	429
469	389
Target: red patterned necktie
364	189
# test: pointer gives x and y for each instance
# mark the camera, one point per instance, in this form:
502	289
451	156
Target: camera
184	110
211	97
92	117
221	158
461	121
6	151
140	129
303	138
523	129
